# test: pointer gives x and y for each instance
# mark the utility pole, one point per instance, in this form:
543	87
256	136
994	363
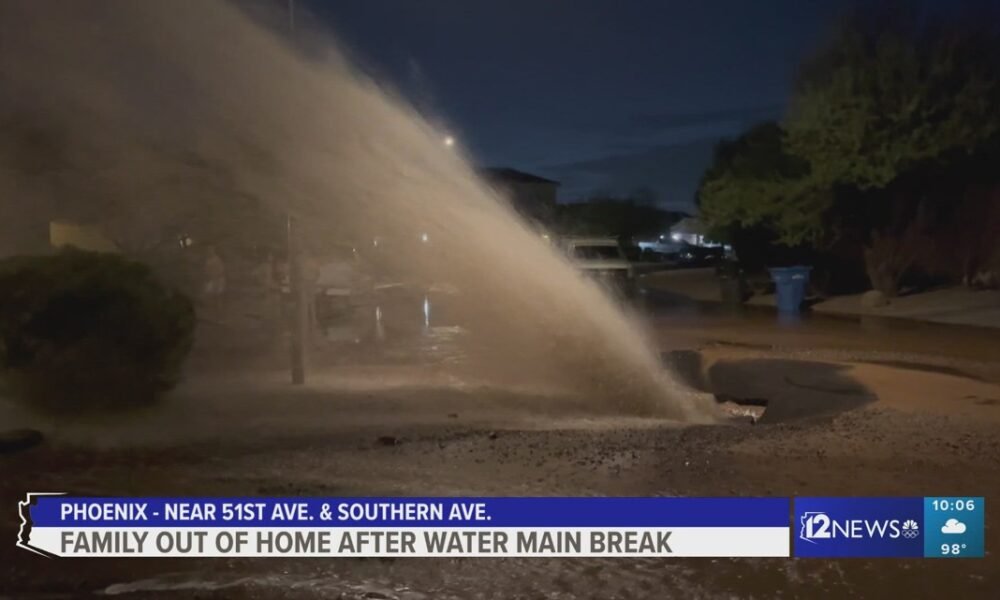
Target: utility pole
300	320
300	304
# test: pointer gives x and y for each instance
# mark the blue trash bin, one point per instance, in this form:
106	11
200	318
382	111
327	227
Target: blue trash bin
790	287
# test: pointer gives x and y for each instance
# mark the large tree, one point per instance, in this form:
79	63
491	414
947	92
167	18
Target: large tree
885	101
619	217
886	96
754	181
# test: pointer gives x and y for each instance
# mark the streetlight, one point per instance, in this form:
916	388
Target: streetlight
297	288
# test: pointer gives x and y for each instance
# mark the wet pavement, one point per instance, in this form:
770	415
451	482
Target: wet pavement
852	408
680	323
412	321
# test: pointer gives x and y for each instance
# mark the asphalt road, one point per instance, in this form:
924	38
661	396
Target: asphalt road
851	410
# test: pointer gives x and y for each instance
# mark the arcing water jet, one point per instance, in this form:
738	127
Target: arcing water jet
149	117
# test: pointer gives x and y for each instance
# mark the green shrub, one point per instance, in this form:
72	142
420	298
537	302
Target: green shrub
83	331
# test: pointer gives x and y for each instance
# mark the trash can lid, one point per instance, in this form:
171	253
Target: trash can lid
782	274
790	270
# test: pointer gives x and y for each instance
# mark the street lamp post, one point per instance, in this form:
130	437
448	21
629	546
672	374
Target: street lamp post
300	323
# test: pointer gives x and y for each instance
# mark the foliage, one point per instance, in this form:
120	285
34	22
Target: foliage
754	181
878	102
880	115
884	98
624	218
81	331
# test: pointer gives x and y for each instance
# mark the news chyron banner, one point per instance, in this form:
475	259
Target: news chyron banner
932	527
57	525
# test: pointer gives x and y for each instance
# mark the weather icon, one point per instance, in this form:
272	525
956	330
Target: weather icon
953	526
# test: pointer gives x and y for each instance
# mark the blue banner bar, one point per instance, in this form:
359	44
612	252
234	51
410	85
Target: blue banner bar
66	511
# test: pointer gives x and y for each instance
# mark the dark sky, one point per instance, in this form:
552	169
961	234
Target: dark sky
602	95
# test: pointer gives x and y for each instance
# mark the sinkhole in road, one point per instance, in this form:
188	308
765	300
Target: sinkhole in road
771	390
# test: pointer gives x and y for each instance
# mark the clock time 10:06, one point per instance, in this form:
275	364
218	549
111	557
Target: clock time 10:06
959	504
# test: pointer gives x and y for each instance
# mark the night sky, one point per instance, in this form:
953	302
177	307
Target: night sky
603	96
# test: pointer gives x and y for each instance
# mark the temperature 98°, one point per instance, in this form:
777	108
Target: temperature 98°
952	549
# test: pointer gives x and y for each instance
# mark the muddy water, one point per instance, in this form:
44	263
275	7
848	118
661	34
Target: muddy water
155	103
683	323
869	451
926	432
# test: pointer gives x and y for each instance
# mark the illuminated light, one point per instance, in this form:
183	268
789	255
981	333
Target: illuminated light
423	237
676	237
375	242
449	141
427	312
378	314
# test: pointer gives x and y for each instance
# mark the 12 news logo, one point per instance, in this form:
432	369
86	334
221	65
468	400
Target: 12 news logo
817	526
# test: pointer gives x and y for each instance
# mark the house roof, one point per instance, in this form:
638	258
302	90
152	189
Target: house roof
508	174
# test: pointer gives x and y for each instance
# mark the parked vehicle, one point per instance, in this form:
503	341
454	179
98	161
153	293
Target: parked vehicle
700	256
603	259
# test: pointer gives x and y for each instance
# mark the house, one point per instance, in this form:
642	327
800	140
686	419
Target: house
34	232
84	237
532	196
691	231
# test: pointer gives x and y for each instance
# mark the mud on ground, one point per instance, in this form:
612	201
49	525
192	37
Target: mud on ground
871	429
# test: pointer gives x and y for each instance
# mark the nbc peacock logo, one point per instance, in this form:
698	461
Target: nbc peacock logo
910	529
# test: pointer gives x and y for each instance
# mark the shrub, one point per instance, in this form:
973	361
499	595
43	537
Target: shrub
82	331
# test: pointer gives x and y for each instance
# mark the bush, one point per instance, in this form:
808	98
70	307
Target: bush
82	331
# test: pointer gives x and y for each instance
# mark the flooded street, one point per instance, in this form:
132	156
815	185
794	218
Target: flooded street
849	411
256	205
682	322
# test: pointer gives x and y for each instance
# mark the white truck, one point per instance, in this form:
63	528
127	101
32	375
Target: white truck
603	259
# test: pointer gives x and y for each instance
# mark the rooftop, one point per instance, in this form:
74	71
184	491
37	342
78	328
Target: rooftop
508	174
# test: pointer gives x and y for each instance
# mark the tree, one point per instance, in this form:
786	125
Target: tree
885	101
753	181
966	240
887	97
624	218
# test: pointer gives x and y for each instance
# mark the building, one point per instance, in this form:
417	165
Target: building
84	237
690	230
532	196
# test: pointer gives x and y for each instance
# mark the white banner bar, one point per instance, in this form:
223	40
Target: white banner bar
412	542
